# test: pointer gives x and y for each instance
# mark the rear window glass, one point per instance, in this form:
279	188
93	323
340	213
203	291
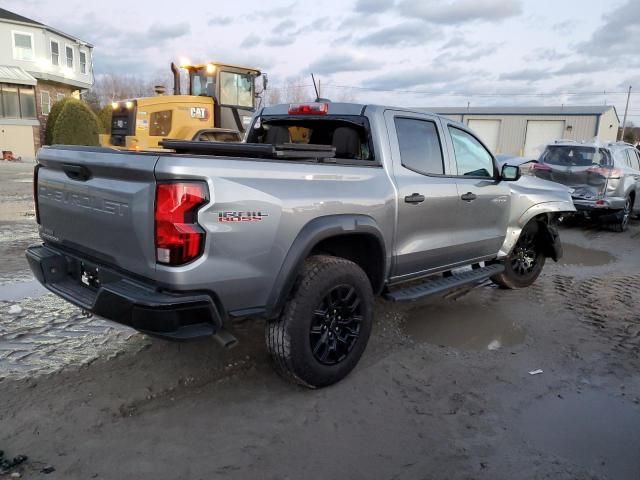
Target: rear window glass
420	148
350	139
574	156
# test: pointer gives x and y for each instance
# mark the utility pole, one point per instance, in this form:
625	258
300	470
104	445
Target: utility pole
626	110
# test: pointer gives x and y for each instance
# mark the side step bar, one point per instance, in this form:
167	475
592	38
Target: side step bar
435	285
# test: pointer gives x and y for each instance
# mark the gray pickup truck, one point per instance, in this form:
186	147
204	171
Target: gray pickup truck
323	207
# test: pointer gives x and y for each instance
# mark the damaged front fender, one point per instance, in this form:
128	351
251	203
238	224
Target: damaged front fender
550	239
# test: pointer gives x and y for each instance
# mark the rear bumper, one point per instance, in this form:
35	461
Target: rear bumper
607	203
173	315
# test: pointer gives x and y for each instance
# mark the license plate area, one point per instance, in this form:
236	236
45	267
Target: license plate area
89	275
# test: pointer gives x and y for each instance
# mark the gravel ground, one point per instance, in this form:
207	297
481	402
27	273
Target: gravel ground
443	390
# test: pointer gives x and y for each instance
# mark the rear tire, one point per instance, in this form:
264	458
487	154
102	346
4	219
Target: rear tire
325	326
524	264
623	216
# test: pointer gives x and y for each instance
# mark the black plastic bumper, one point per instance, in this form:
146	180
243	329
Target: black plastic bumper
173	315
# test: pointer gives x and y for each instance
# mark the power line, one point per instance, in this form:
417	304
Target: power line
471	94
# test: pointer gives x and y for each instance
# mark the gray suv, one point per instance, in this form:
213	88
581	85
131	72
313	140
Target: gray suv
605	178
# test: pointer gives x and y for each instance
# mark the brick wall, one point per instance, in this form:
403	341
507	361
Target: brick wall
54	90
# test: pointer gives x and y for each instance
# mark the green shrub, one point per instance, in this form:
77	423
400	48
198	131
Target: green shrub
56	108
76	125
104	115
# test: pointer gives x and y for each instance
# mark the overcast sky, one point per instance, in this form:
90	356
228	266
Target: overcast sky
386	48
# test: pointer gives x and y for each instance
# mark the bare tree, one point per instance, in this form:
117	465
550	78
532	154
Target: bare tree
113	87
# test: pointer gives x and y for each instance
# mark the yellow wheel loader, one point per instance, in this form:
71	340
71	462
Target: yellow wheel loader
218	107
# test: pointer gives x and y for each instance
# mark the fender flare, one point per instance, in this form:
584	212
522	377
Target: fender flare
309	236
547	208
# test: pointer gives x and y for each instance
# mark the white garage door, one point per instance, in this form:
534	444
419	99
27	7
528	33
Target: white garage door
539	134
488	131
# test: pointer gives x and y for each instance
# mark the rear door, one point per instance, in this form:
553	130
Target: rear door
99	203
427	197
483	202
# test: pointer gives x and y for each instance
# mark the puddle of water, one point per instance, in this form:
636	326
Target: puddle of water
468	327
590	429
13	292
587	257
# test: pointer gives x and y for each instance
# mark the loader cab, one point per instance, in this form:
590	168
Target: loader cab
232	88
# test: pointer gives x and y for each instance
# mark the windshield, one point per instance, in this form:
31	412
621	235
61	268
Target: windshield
202	84
575	156
236	89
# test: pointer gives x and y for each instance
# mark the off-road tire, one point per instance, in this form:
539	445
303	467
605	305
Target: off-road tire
288	337
510	278
622	217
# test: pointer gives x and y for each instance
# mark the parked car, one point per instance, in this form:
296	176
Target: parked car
301	234
605	178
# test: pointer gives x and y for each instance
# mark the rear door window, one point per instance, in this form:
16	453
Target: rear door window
472	159
420	147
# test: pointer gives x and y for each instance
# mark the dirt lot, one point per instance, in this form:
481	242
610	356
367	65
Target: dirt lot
443	390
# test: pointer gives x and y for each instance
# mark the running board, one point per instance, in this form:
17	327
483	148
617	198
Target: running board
433	286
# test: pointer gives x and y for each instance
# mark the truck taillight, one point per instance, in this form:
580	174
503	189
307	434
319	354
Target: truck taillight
35	192
308	108
179	238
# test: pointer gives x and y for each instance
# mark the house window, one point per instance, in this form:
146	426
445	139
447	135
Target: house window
27	102
10	101
23	46
55	53
60	96
83	62
69	51
45	103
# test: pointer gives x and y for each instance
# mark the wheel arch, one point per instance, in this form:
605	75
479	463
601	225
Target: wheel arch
355	237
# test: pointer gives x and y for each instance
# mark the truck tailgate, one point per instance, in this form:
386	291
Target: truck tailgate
100	203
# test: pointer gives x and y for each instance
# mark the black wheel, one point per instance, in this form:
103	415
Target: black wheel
325	326
623	216
524	264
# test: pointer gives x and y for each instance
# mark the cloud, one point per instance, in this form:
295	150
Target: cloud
413	78
250	40
406	34
461	11
548	54
160	33
575	68
220	21
618	34
373	6
341	62
283	26
529	75
280	40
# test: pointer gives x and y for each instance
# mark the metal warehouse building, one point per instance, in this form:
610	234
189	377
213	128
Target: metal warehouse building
523	130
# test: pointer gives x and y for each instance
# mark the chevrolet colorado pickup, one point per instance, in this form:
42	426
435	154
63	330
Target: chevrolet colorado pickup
321	208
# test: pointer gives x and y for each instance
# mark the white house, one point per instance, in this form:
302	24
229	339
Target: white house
38	66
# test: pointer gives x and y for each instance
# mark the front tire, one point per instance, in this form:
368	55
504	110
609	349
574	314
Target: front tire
524	264
325	326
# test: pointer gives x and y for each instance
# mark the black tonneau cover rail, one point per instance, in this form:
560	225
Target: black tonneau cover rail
259	150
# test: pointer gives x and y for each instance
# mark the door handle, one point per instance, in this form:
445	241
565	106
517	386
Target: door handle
76	172
468	197
414	198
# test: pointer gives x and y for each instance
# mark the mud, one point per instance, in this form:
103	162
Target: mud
583	256
590	428
466	326
443	390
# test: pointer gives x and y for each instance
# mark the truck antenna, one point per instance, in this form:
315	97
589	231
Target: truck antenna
315	87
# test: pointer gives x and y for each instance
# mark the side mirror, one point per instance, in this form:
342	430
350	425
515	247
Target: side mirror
510	173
